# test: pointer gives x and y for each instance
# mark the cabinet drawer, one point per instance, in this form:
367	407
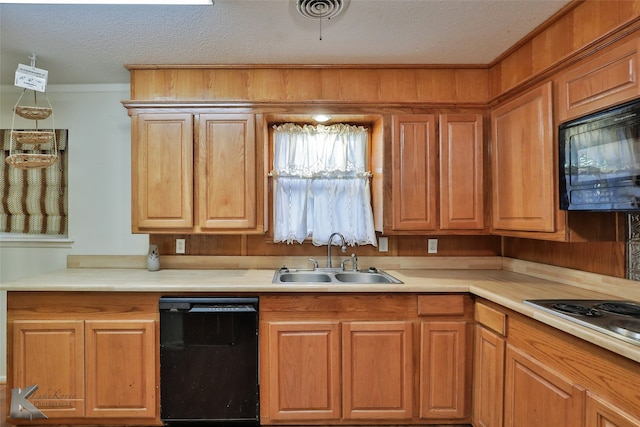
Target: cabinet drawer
491	318
440	305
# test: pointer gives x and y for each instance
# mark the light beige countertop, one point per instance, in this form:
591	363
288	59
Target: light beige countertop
508	286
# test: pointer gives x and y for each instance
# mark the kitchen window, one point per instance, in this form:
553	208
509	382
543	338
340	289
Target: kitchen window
321	184
34	201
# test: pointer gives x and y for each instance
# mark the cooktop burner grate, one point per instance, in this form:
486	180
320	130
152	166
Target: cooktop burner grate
576	309
620	307
618	319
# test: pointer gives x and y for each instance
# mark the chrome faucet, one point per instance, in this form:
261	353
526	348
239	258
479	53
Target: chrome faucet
343	248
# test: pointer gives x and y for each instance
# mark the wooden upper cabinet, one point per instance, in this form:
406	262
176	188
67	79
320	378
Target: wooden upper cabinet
461	172
191	182
226	172
414	175
162	175
50	353
523	164
604	80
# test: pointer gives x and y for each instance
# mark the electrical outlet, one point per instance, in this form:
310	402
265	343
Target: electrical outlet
181	246
383	244
432	247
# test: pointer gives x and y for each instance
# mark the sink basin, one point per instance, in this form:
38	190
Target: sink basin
333	276
365	277
304	276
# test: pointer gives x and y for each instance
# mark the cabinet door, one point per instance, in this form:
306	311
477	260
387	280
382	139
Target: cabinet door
488	383
536	396
121	368
162	173
461	172
601	413
414	151
377	365
523	166
443	370
226	171
50	354
303	371
600	82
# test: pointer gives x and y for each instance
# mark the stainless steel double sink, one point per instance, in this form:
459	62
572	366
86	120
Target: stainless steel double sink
326	275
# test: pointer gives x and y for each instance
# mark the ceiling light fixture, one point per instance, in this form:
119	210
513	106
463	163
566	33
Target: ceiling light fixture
321	118
123	2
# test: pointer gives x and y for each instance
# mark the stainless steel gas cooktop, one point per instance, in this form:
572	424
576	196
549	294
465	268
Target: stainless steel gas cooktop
619	319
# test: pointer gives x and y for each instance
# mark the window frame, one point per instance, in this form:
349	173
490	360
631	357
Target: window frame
17	239
368	124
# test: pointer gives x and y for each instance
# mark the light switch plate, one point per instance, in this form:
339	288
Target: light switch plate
432	246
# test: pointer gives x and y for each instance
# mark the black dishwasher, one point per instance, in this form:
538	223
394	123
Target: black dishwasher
209	360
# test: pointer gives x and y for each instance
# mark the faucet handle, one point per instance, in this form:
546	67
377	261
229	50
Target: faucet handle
343	262
315	263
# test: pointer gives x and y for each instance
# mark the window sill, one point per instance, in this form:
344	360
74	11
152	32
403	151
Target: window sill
8	240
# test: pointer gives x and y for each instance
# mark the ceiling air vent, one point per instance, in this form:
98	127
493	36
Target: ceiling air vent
320	9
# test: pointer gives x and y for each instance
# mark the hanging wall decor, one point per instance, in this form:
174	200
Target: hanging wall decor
34	146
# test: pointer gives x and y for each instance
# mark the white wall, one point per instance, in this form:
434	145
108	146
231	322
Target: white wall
99	187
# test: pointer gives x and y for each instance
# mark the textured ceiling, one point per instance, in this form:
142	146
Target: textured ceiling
91	43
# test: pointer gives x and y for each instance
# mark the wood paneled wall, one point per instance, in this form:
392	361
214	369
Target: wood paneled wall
236	245
296	83
606	258
571	34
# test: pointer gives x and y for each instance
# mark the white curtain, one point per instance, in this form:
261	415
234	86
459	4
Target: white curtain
321	185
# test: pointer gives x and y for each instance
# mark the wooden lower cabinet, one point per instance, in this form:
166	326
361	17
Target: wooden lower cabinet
120	381
537	396
353	359
488	378
377	379
50	353
530	375
601	413
304	362
92	369
444	373
307	382
91	364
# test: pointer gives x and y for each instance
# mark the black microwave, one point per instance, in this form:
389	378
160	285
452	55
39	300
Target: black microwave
600	160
